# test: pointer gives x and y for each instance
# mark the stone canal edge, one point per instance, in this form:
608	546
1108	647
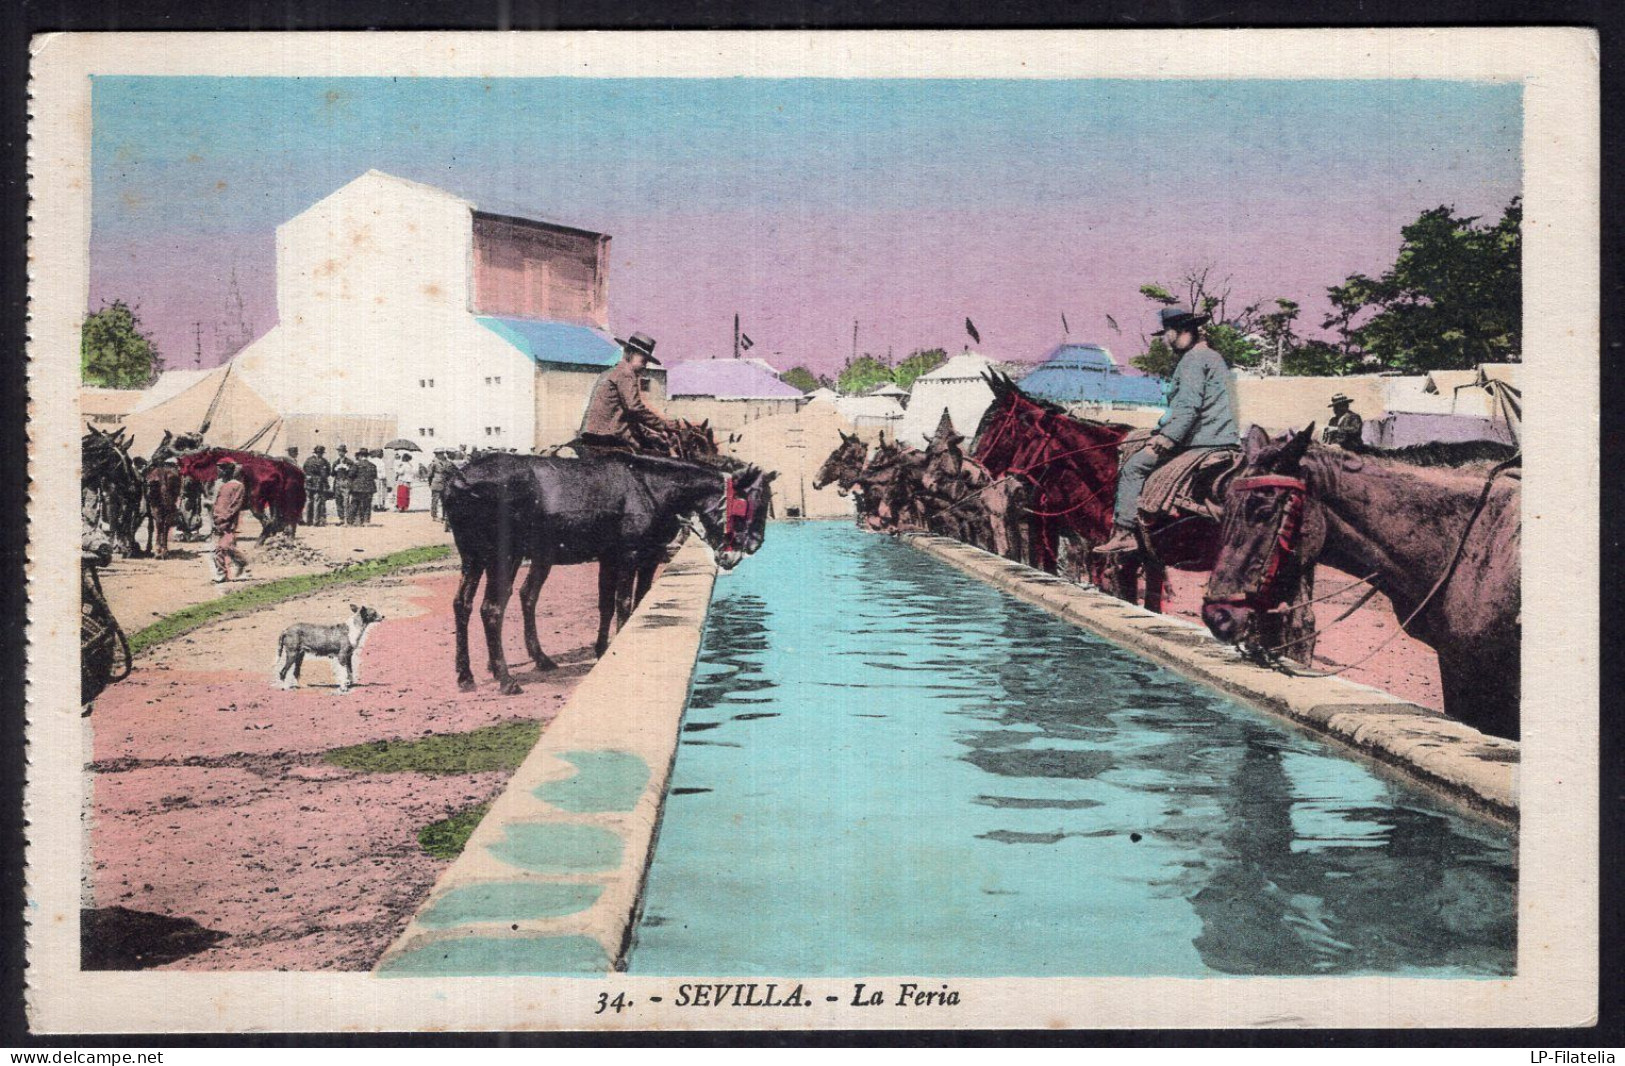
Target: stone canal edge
551	879
1471	770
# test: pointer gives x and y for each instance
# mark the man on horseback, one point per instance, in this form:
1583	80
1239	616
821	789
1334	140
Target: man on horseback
1201	414
1345	426
617	418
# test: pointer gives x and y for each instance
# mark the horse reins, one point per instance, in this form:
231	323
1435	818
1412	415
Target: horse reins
1444	579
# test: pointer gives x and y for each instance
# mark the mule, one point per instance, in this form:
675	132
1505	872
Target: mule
620	511
1441	543
111	489
970	502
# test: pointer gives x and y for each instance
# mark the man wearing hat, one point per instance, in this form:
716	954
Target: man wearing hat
616	417
1344	428
439	475
230	498
343	478
1201	414
317	471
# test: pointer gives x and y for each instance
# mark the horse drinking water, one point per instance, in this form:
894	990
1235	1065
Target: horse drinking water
1442	544
620	511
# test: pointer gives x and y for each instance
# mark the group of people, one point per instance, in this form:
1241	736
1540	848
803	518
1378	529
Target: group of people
352	484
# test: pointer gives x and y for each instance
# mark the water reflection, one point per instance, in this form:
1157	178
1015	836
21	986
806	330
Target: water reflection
890	768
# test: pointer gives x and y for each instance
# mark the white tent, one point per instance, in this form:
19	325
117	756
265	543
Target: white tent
875	412
957	387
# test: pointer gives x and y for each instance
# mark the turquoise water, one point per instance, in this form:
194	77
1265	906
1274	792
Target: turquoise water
888	767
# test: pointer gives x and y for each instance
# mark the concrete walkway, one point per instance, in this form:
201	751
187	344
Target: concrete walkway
550	880
1474	771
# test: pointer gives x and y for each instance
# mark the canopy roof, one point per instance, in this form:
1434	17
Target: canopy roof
546	341
1087	373
728	379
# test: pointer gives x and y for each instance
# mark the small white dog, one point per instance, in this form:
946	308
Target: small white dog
341	643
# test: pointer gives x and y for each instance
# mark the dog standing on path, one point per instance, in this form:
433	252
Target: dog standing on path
341	643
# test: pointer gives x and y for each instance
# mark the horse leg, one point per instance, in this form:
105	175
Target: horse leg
1155	578
498	587
623	594
1123	575
1483	691
462	606
646	578
609	577
529	592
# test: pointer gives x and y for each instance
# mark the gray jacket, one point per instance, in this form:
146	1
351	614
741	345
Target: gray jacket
1201	402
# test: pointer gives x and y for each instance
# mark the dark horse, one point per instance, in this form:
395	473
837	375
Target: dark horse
113	495
620	511
1442	544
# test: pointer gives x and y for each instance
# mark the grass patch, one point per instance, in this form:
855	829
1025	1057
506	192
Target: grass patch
493	747
286	588
446	838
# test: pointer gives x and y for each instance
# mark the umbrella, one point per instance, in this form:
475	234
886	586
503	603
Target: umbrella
403	445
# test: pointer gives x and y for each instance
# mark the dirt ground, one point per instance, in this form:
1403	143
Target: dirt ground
140	591
212	802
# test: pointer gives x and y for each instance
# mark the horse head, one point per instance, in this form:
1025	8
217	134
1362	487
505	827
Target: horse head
1268	532
735	524
844	464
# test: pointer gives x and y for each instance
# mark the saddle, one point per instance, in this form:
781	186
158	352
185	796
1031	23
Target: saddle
1190	484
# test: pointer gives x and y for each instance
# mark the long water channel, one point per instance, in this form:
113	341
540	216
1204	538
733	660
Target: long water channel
888	767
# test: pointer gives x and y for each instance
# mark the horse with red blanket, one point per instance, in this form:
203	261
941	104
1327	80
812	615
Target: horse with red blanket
276	487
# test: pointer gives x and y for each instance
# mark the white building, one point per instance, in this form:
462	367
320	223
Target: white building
402	302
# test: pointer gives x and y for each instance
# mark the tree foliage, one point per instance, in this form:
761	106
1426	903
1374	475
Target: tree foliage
114	353
921	361
864	372
799	377
1452	299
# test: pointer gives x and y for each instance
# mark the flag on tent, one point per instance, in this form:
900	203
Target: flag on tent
745	342
970	327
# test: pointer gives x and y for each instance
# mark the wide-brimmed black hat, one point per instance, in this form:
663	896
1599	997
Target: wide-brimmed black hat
641	343
1179	318
1339	398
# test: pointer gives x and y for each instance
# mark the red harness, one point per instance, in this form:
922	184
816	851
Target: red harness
736	509
1288	522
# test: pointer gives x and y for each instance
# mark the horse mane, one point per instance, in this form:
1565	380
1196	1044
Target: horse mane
1466	453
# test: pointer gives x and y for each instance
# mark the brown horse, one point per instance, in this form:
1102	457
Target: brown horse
276	487
844	465
163	485
1442	544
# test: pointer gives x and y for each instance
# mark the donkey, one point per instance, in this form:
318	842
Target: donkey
1441	544
620	511
990	511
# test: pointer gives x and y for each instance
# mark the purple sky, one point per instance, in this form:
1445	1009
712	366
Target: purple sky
803	205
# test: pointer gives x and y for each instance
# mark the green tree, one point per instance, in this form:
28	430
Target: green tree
920	361
114	353
1159	359
799	377
1452	299
861	373
1234	338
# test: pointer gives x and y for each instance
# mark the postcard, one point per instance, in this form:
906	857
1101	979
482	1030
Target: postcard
673	531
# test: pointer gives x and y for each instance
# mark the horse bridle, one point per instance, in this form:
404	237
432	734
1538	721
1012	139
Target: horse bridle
736	513
1256	594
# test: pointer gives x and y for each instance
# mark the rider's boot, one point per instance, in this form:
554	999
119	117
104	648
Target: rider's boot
1122	540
